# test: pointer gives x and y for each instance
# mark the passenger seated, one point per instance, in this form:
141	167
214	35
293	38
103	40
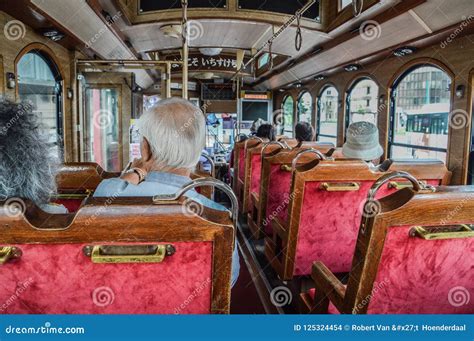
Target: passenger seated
304	132
266	131
255	125
173	134
27	166
362	142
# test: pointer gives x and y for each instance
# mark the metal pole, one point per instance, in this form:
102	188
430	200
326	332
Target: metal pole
184	29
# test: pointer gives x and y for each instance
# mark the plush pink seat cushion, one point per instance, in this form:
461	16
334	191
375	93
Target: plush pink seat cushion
417	276
60	279
278	196
255	175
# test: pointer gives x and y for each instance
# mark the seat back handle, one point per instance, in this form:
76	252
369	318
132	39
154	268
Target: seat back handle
320	155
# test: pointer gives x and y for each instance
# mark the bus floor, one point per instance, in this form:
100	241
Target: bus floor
258	288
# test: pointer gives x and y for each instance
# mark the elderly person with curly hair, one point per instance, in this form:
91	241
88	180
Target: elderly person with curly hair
27	166
173	136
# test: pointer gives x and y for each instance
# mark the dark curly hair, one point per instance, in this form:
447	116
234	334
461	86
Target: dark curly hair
266	131
304	132
27	166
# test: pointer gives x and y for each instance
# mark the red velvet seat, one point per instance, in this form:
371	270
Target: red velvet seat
240	149
321	223
94	261
415	256
272	186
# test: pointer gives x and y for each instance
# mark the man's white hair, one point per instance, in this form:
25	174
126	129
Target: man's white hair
175	130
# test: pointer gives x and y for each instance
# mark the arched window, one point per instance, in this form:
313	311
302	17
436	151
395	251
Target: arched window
326	125
362	103
305	107
288	109
39	82
421	102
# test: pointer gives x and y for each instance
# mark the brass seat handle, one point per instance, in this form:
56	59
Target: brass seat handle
340	186
8	253
129	253
442	232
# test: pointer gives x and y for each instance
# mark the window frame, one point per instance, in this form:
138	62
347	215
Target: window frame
318	113
292	131
406	70
348	93
300	95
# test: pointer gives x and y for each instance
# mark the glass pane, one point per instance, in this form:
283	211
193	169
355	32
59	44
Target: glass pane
288	112
305	107
328	114
37	85
363	104
422	106
103	128
344	3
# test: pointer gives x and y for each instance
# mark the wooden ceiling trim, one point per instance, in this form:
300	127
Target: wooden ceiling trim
24	11
391	13
418	43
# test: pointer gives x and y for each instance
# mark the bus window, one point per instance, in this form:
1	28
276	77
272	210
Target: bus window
305	107
288	112
326	126
362	102
39	83
419	117
103	128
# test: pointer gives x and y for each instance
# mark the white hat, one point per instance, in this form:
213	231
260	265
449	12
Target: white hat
362	142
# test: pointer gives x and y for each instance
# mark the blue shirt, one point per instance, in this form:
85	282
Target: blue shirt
161	183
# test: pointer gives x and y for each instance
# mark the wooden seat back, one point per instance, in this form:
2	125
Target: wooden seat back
272	186
322	219
78	180
414	256
239	164
116	256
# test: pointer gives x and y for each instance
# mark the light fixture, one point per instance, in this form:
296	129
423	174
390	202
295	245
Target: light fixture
70	93
172	31
281	90
460	91
320	77
210	51
352	67
404	51
53	34
298	85
11	80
